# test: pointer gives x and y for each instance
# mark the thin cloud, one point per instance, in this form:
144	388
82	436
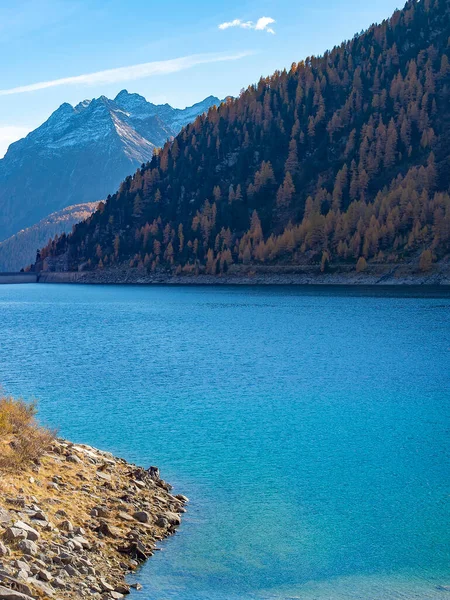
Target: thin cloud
262	24
130	73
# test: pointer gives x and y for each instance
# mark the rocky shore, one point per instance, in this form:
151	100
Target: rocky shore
75	522
402	274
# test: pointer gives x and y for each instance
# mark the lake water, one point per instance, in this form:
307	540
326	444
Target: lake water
308	426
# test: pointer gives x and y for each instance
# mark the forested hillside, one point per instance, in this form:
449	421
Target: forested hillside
342	159
20	249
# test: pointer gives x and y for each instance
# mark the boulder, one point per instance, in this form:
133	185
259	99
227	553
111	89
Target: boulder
83	541
16	585
6	594
44	575
162	522
142	516
32	534
39	516
73	458
136	586
66	525
182	498
28	547
154	473
14	534
106	587
58	584
101	511
5	517
109	530
173	518
125	516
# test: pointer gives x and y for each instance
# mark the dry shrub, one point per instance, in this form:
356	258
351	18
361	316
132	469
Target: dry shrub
22	439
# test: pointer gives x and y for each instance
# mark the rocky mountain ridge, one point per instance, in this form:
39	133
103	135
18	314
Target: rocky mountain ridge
82	153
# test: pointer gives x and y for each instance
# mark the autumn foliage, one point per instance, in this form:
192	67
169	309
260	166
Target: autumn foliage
345	156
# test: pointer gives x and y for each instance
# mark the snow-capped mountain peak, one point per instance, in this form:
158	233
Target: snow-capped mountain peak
82	153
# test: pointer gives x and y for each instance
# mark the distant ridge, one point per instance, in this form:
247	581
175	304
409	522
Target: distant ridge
20	249
82	153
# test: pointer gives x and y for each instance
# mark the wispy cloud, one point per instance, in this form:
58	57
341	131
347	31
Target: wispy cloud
261	24
130	73
10	134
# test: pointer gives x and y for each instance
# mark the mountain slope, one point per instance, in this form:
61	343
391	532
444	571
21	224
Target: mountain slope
82	153
20	249
343	159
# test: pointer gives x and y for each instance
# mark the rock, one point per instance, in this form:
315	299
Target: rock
73	458
44	588
59	584
14	534
83	541
4	551
31	533
104	476
28	547
106	587
106	529
142	516
136	586
71	571
125	516
16	585
66	558
162	522
22	565
44	575
51	485
61	513
5	517
182	498
39	516
79	531
154	473
66	526
116	595
173	518
101	511
6	594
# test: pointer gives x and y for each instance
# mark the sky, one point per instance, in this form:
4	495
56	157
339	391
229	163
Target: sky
176	51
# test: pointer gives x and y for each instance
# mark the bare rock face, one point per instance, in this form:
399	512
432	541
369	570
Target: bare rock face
82	153
69	533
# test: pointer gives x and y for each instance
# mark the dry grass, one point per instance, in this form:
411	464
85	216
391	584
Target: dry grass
22	439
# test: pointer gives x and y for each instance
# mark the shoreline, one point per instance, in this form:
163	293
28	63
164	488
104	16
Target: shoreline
78	521
402	275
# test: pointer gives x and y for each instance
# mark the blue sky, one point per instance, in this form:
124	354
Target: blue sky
50	40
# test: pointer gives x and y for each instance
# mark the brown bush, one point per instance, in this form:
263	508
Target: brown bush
22	439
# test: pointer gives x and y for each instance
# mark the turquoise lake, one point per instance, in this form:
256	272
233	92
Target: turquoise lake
310	427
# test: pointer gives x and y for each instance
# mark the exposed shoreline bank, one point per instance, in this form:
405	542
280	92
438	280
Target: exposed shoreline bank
74	524
401	275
